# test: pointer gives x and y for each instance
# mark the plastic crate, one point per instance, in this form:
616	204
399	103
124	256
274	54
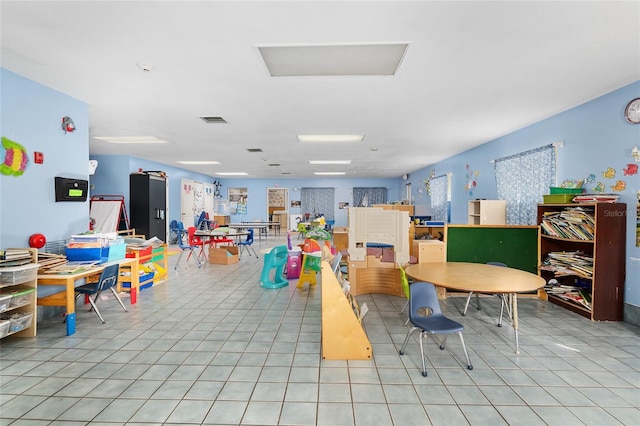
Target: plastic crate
5	301
4	328
19	321
114	252
143	278
22	297
75	254
559	190
10	275
558	198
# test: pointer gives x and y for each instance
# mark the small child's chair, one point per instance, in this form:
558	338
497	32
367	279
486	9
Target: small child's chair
274	261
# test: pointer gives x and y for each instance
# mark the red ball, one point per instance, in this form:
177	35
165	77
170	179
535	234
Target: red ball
37	241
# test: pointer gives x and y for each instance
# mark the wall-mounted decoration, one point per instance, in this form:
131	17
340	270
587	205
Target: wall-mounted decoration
599	187
216	192
471	182
14	157
343	205
296	203
638	219
68	125
427	182
610	173
631	169
619	186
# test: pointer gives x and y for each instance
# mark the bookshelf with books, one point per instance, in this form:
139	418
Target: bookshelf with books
582	253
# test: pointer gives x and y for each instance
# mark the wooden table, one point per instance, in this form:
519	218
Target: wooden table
67	297
480	278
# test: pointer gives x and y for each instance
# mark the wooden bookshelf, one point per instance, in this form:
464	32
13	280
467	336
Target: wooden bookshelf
607	249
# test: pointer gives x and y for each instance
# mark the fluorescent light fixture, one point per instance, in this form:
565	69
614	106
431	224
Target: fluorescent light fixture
329	173
198	162
130	139
370	59
231	174
330	138
329	161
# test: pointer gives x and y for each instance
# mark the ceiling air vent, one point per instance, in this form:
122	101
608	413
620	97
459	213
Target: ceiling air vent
211	120
254	150
274	165
285	173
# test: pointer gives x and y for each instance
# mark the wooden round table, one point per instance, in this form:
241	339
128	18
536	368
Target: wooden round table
480	278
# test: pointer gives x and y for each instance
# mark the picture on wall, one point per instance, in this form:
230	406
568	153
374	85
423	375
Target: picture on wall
343	205
296	203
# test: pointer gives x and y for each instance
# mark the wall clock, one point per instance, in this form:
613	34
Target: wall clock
632	111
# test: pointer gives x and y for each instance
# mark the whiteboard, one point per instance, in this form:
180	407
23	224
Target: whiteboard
106	213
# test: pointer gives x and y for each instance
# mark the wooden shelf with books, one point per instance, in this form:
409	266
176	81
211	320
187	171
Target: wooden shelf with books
582	257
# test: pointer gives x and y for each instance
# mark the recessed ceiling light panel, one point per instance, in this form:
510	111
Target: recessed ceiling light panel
232	174
329	173
198	162
330	138
333	59
329	161
130	139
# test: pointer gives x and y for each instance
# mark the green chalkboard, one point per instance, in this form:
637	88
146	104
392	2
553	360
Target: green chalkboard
516	246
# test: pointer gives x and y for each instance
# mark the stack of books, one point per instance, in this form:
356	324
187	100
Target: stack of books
573	223
563	263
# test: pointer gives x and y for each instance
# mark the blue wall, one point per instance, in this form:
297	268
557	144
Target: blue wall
31	115
596	136
112	177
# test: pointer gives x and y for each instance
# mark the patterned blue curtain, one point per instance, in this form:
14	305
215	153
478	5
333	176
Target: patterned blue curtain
318	201
522	180
365	197
439	205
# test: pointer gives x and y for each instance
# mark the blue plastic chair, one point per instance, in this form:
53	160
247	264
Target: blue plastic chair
247	244
274	262
173	231
425	315
184	245
107	281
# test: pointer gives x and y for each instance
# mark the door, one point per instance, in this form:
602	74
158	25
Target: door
187	202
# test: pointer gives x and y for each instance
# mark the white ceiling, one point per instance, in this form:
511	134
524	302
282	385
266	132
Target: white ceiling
473	71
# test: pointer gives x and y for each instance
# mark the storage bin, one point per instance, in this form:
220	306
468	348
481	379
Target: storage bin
143	278
114	252
143	253
22	297
75	254
19	321
10	275
4	328
559	190
558	198
5	301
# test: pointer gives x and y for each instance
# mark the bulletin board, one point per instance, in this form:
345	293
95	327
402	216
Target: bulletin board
514	245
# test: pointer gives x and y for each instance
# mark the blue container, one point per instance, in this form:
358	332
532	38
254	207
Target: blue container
114	252
83	254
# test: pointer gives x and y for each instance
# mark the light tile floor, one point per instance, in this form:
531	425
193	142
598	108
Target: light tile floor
210	346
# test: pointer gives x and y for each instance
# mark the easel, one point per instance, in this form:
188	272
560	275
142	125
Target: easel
109	213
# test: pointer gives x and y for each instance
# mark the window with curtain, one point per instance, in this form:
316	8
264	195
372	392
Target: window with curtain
439	204
522	179
318	201
366	197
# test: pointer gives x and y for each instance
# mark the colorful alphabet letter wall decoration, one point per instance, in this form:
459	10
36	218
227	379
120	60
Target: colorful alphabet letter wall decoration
14	158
